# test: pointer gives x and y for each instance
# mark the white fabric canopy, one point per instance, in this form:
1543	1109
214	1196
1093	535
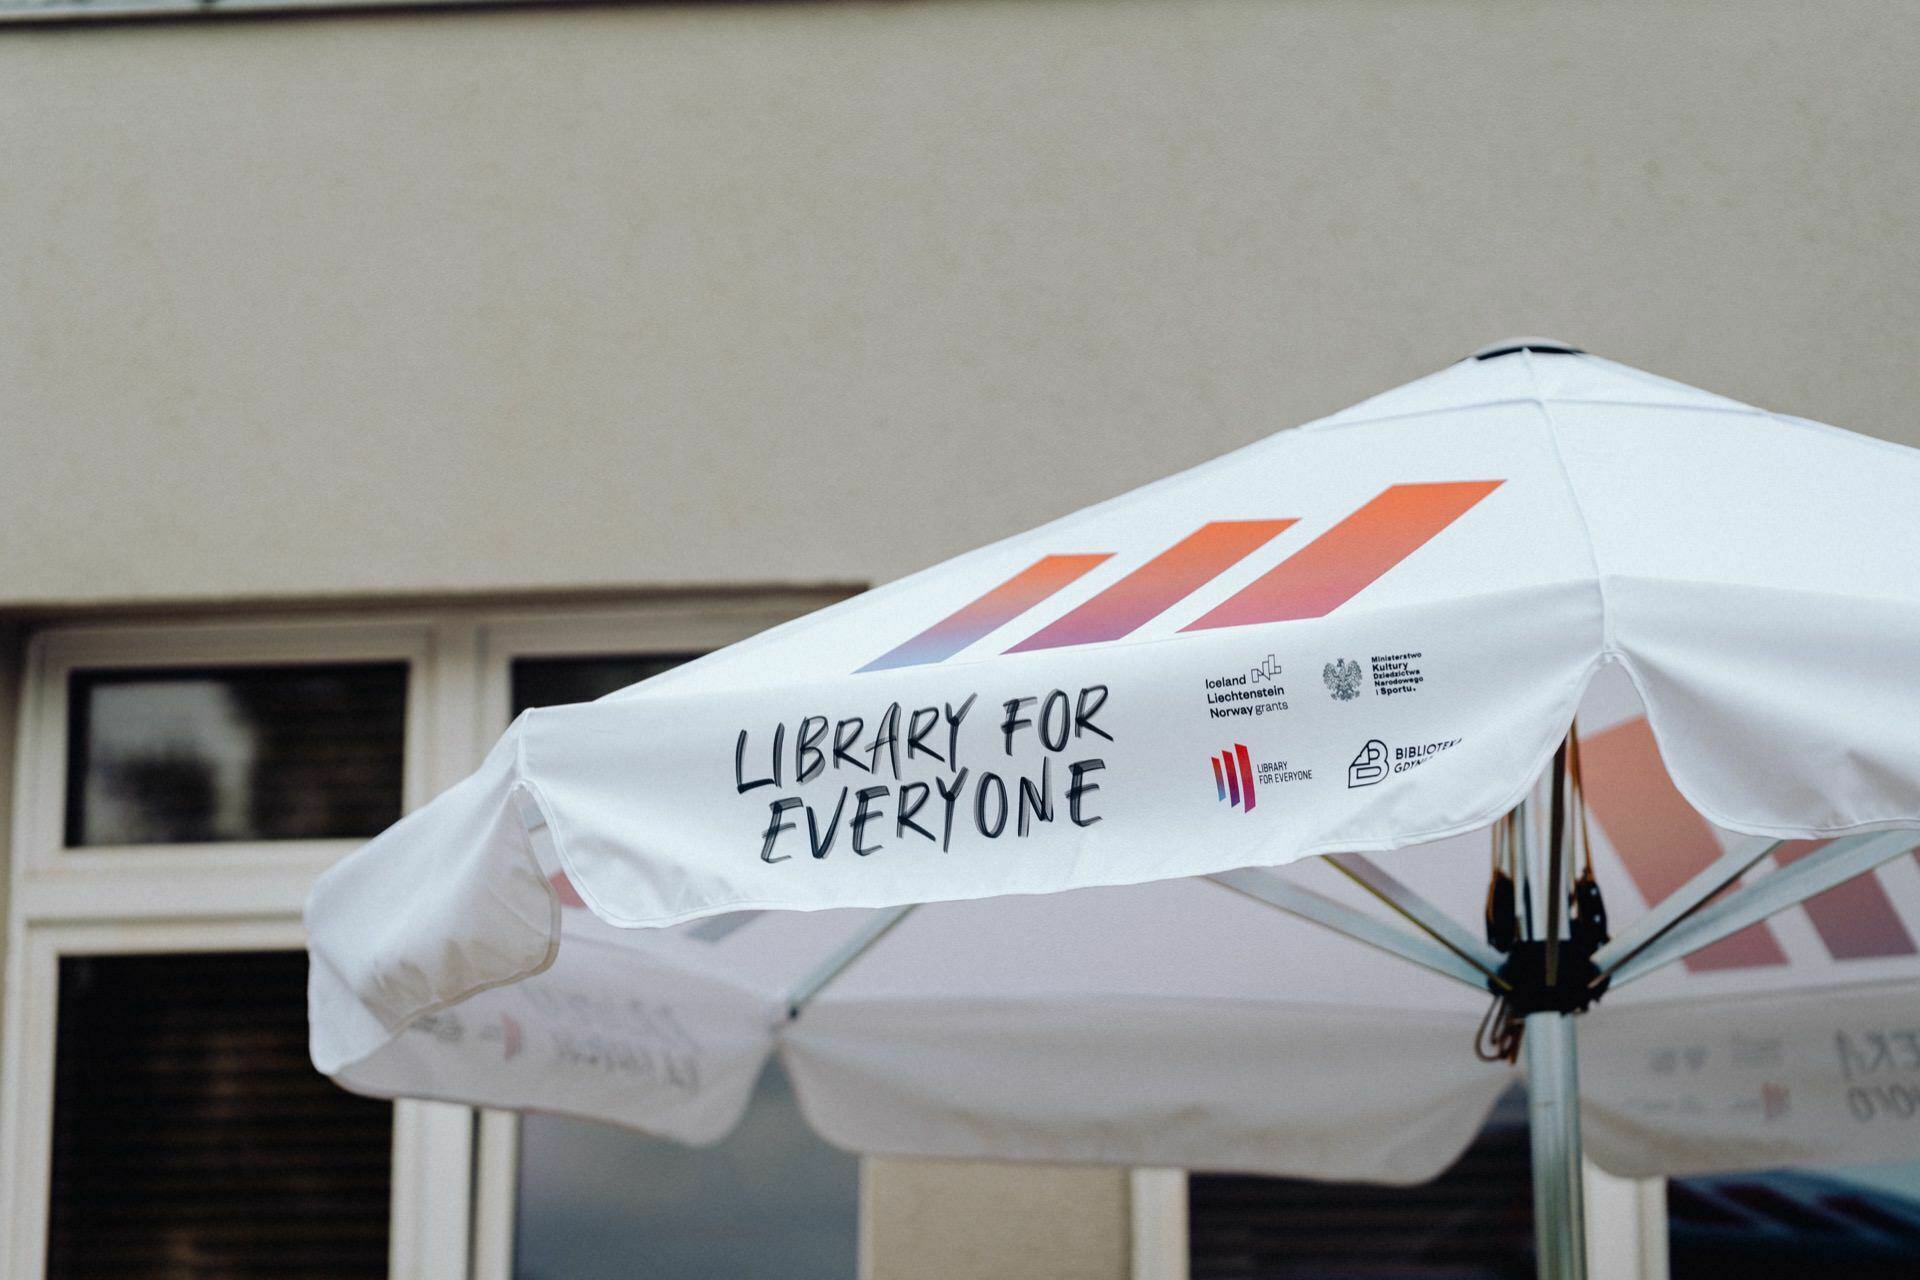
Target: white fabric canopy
1365	634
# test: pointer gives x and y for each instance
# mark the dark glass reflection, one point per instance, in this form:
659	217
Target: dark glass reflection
552	682
1473	1222
601	1203
235	753
191	1136
1861	1222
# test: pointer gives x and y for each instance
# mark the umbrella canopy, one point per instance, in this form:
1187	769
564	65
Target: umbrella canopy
1368	634
1182	1023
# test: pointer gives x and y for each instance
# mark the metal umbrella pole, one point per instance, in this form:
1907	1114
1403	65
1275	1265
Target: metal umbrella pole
1553	1082
1553	1118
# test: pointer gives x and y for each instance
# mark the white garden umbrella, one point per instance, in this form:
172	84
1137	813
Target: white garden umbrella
1362	636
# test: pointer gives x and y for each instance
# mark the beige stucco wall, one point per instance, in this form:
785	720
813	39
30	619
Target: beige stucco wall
810	292
966	1221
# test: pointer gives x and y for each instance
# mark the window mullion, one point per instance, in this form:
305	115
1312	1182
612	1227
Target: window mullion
434	1143
496	1191
432	1204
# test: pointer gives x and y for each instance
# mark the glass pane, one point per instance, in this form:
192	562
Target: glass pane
600	1203
235	753
597	1202
1473	1222
1861	1222
550	682
191	1137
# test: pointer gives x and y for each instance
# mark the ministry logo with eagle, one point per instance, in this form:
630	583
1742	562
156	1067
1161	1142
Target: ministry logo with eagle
1343	678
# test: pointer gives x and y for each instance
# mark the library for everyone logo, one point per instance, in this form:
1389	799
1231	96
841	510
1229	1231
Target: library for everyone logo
1233	777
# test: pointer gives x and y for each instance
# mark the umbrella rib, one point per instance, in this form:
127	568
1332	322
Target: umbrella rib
1556	853
1282	894
857	944
1785	886
1678	906
1423	915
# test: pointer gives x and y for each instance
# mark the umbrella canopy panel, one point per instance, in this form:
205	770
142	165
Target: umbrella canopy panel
1182	1023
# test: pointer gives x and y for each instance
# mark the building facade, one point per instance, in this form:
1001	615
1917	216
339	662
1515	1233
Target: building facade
449	342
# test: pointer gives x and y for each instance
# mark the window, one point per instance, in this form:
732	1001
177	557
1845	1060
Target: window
181	785
1863	1222
190	756
1473	1222
552	681
192	1137
592	1198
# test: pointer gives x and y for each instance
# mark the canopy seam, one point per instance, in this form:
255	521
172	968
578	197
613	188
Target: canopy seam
1573	496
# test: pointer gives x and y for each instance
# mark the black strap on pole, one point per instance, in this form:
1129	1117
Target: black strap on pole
1555	974
1556	867
1503	904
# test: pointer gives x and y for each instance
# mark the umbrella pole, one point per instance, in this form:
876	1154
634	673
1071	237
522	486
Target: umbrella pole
1553	1087
1553	1113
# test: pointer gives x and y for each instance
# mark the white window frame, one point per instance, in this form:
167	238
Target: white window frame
454	1168
54	882
1160	1245
237	895
1626	1225
33	972
665	628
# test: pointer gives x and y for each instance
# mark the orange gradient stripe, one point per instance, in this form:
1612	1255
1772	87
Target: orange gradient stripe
988	613
1660	838
1855	918
563	889
1157	585
1351	556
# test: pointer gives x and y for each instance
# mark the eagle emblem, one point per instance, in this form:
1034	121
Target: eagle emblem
1343	678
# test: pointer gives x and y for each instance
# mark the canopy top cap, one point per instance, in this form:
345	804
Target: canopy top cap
1544	346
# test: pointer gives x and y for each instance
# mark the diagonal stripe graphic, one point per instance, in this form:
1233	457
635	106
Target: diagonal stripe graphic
988	613
1233	779
1351	556
1855	919
1660	838
1246	774
1157	585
